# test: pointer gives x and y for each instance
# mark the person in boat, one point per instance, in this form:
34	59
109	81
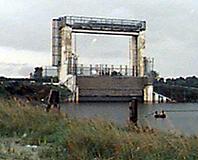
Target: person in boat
162	114
156	114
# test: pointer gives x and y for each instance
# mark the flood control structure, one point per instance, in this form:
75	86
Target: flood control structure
100	82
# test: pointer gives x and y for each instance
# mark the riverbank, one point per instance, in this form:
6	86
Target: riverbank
31	92
27	132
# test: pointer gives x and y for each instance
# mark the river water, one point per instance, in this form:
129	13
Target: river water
182	118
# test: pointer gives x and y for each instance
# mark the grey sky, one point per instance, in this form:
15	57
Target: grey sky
170	38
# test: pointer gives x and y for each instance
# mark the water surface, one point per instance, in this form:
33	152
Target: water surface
181	117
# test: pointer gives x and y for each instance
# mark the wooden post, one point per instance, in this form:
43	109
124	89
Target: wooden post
90	69
53	100
133	111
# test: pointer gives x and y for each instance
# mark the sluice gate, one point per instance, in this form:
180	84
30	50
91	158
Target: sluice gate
110	88
100	82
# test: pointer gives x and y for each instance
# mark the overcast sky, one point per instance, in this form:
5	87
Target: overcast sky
171	36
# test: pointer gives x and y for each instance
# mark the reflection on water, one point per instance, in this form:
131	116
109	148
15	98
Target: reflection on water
180	122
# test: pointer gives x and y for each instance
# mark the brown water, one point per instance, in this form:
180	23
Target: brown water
181	118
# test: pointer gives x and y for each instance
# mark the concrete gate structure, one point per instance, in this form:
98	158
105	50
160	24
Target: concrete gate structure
105	84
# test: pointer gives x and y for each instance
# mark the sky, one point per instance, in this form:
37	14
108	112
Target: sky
171	35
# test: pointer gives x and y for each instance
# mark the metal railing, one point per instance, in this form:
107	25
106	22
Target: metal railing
103	70
49	71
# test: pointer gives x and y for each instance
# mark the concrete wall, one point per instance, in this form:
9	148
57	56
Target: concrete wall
107	86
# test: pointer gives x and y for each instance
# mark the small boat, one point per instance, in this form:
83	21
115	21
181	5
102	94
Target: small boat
161	115
156	115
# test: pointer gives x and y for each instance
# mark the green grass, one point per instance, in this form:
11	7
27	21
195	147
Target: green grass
88	139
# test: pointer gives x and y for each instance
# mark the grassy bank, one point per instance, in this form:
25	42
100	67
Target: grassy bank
58	137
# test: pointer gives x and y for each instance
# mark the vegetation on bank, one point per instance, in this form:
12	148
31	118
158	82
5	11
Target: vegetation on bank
56	136
180	89
187	82
32	92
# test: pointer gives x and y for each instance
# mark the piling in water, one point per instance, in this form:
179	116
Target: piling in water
53	100
133	111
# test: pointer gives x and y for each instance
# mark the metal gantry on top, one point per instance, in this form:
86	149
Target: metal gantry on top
102	24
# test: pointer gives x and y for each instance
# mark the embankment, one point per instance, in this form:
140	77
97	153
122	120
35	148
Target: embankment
27	132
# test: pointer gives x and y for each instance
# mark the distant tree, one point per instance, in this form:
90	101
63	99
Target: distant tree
154	75
180	81
169	81
161	80
38	73
192	81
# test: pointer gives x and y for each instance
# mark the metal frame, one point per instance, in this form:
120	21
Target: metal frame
102	24
92	25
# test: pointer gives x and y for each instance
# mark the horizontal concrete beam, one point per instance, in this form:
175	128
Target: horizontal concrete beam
108	99
105	32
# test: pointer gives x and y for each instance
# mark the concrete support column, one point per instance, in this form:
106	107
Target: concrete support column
137	46
156	98
141	47
164	99
148	93
77	94
66	66
134	56
56	40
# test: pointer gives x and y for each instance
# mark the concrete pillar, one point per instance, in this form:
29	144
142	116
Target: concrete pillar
77	94
66	66
134	56
148	93
56	40
164	99
141	47
156	98
137	47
